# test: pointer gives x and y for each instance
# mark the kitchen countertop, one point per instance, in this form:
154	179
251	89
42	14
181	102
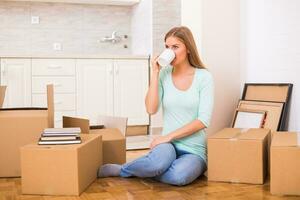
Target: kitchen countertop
76	56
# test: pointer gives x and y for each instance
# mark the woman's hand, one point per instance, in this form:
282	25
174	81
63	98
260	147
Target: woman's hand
160	140
155	66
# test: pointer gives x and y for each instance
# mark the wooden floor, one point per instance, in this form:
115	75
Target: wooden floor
140	189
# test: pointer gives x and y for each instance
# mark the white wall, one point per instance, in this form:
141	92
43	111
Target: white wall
271	46
216	27
78	27
141	28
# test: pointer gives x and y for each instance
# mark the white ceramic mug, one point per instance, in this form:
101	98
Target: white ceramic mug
166	57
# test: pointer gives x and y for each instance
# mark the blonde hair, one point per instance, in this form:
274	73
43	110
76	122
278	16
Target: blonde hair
185	35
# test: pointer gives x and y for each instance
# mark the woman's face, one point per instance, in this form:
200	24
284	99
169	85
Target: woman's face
179	48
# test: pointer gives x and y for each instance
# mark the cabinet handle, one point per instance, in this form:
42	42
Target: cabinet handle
57	85
3	72
117	70
110	70
54	67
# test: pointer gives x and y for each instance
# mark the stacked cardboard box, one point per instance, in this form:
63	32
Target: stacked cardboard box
236	155
21	126
285	163
70	169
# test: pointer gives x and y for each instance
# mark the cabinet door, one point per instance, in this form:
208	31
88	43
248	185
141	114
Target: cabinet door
94	88
16	75
130	87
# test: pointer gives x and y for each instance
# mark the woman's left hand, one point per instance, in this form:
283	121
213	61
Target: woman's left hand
160	140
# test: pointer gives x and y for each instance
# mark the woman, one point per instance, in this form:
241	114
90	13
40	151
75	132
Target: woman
185	91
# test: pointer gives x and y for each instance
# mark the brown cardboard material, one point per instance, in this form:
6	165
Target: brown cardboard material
285	164
238	156
61	169
273	111
21	126
113	141
2	95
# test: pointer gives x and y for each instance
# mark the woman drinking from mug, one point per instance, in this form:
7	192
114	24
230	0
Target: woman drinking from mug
184	89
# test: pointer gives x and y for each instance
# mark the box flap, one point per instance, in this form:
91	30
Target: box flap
109	134
285	139
2	95
50	105
254	134
84	124
226	133
267	92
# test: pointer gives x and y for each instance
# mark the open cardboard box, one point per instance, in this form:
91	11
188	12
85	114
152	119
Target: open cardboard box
21	126
113	141
285	163
238	155
271	92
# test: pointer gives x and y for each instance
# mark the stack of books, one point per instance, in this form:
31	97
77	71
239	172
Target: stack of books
60	136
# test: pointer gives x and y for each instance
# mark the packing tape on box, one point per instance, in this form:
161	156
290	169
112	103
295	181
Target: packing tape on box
244	130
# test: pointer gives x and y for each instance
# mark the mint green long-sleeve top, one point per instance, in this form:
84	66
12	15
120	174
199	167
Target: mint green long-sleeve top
181	107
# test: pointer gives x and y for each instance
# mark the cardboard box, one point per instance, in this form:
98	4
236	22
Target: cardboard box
21	126
238	156
285	164
61	169
113	141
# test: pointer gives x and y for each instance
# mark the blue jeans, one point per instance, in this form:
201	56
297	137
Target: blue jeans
166	164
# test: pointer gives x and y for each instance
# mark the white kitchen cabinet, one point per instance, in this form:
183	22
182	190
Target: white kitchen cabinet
60	73
16	75
112	87
88	87
94	88
130	87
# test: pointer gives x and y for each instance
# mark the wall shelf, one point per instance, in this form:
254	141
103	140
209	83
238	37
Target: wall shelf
98	2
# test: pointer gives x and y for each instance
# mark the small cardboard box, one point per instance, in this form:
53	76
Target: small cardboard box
285	164
61	169
237	155
113	141
18	127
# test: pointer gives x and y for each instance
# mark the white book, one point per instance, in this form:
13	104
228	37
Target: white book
41	142
55	138
62	130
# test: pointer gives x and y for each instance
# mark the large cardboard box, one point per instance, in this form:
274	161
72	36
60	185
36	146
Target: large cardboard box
238	156
18	127
113	141
285	163
61	169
